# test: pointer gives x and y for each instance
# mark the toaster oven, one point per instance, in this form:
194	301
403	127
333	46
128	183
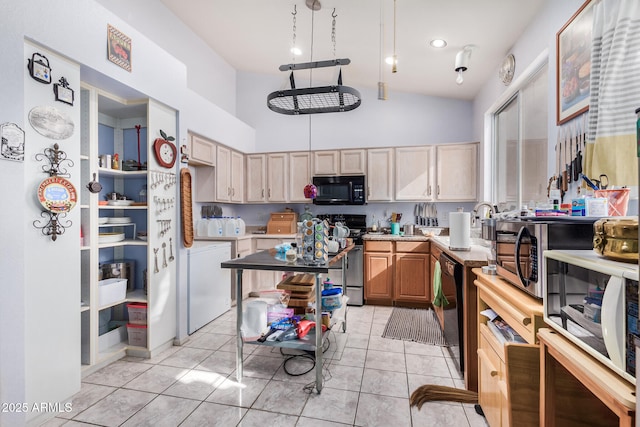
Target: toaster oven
593	302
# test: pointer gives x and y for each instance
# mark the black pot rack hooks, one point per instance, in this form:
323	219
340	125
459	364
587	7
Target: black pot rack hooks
54	223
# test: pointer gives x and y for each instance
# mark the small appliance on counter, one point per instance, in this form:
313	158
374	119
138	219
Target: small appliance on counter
617	238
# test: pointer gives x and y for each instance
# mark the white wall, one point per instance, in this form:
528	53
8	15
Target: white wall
403	119
540	35
208	74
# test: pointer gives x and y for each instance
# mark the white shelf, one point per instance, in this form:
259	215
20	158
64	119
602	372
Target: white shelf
122	174
84	157
137	296
132	207
125	242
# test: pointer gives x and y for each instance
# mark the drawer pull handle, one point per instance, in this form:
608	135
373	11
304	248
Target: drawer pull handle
483	356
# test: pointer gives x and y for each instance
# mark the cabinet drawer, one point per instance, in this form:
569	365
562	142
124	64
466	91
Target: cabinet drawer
243	245
490	341
378	246
421	247
262	244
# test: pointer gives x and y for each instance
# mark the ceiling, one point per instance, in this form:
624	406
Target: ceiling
256	36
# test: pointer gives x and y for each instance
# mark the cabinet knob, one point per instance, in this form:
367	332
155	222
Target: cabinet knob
262	193
269	193
438	189
368	191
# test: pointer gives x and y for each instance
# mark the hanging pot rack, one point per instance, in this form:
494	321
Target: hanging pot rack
314	100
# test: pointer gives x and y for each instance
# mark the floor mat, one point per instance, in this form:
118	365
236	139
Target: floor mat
412	324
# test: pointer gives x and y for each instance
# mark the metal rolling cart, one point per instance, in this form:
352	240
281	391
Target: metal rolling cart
266	260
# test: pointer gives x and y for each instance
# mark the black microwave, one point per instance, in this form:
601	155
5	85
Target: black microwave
339	190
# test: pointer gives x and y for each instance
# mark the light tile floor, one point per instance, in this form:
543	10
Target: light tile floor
368	381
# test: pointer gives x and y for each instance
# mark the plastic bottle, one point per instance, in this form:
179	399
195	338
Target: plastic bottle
242	226
212	227
230	227
327	284
203	227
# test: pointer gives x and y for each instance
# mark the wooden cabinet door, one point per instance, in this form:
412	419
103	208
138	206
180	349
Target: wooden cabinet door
353	162
412	277
457	172
223	174
237	177
378	277
380	175
299	175
414	179
326	162
256	178
277	177
203	151
489	377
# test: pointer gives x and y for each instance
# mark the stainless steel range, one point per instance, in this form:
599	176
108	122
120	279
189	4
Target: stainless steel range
355	258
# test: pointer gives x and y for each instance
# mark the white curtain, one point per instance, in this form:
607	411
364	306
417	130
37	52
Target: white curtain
615	92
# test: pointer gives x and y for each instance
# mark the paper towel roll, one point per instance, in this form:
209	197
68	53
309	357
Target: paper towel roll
460	231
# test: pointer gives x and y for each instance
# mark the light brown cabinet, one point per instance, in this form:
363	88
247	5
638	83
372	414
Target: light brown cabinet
457	172
397	272
508	373
378	272
353	162
414	173
202	152
229	175
412	271
256	178
299	175
380	174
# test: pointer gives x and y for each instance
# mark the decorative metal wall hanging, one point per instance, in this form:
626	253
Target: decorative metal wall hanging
12	147
39	68
63	92
51	122
118	48
56	194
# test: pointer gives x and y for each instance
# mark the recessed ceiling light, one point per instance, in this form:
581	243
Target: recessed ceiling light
389	60
439	43
296	51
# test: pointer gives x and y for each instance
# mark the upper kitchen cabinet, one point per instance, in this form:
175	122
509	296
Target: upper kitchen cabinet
299	175
340	162
457	172
203	151
326	162
229	175
414	176
256	177
267	177
380	174
353	162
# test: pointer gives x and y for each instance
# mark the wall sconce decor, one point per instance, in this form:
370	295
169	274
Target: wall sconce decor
39	68
63	92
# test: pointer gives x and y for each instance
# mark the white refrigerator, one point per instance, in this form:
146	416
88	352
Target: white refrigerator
209	286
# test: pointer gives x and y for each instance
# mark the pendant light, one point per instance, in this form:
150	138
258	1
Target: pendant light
394	67
382	85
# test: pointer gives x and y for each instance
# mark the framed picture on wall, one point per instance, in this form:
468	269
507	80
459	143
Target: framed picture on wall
573	64
119	48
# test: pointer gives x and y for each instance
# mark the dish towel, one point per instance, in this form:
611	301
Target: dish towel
439	300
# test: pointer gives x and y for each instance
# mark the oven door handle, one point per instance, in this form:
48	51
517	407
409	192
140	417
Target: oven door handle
524	232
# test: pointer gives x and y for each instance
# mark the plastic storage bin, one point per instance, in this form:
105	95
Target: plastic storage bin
137	313
113	337
331	299
111	291
137	334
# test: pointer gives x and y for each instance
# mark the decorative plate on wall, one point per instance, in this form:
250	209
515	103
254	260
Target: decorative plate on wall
51	122
57	195
507	69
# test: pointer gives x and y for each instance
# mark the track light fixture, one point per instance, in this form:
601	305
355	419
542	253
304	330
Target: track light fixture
462	62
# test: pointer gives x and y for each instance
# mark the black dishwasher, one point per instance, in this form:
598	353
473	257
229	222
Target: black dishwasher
453	312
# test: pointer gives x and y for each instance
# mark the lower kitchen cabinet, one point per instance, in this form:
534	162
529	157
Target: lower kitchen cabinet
378	272
508	372
412	270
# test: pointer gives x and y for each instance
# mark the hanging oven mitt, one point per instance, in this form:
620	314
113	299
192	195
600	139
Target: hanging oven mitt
439	300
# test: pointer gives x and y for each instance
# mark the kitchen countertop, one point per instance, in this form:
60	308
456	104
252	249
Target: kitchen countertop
476	257
248	236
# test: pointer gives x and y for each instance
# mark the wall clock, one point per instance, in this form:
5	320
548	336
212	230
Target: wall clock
165	152
507	69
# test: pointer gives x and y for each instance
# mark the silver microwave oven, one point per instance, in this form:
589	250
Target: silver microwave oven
526	239
593	302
